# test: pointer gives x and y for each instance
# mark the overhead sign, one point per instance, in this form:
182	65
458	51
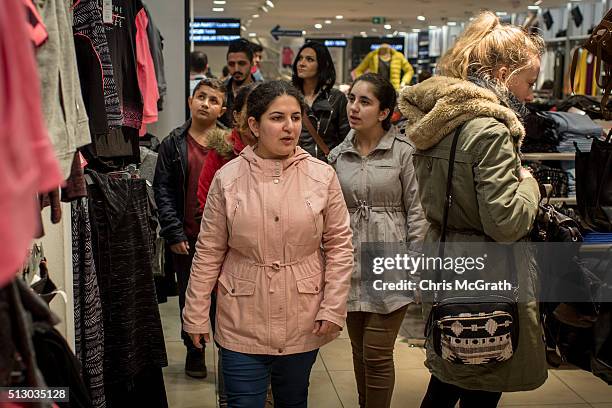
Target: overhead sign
396	47
378	20
214	31
330	42
277	32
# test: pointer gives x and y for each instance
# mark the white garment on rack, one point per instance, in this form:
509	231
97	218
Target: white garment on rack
547	68
435	42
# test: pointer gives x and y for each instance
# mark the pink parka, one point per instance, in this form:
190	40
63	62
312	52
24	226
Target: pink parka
276	237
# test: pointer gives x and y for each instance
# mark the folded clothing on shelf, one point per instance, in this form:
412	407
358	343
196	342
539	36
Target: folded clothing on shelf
598	238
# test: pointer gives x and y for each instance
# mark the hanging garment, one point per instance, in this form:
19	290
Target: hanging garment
156	46
122	238
23	137
88	321
36	27
62	103
132	63
95	68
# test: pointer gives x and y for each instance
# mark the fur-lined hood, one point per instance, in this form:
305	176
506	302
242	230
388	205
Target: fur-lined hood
220	141
437	106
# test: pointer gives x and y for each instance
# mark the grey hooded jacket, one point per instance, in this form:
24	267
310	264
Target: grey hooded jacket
381	193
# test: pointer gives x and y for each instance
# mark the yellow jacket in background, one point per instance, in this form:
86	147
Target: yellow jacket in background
398	64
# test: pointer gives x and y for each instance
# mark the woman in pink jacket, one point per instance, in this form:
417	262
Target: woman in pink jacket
275	236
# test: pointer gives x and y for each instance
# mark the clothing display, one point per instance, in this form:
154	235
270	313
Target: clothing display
156	46
62	102
122	243
23	136
95	68
88	320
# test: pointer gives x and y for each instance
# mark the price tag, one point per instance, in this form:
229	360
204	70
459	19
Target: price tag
107	11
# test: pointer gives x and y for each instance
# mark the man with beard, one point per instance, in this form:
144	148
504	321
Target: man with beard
240	63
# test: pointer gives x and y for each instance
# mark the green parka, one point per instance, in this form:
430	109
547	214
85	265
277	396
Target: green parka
490	203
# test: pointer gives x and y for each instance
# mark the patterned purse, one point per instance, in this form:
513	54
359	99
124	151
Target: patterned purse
472	330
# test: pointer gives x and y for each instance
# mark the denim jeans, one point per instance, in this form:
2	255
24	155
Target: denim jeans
247	377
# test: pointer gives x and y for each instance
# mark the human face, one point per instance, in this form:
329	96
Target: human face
239	66
363	108
521	84
206	105
278	129
257	57
307	65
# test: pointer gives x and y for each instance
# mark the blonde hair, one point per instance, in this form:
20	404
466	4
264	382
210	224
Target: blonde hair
487	45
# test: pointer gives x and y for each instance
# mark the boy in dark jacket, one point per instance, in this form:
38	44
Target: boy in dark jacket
181	157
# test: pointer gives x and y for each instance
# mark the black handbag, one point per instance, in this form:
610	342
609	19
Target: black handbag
594	184
471	330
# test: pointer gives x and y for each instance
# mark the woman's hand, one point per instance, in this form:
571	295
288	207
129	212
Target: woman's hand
324	327
196	338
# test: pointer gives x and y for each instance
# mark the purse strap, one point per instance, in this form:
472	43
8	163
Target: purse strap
315	135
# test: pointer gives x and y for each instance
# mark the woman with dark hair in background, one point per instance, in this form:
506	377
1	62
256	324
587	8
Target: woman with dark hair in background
314	75
374	166
275	236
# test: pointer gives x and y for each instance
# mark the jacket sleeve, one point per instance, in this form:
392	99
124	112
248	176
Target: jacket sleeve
363	66
507	206
338	248
209	256
415	217
165	187
212	163
408	72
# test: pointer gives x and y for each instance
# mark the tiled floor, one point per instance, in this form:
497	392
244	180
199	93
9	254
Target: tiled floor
332	384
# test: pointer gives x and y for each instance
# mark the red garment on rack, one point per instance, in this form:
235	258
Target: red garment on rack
27	162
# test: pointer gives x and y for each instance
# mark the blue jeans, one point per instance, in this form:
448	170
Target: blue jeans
247	377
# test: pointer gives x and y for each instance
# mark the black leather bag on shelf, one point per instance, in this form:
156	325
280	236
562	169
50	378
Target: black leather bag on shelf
594	185
471	331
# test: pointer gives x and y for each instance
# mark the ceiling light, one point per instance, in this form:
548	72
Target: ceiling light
533	7
421	18
318	26
255	16
327	21
395	33
374	30
264	8
452	23
501	13
363	33
218	9
387	26
537	3
433	27
269	3
416	30
252	34
402	33
303	32
220	2
339	17
243	28
389	36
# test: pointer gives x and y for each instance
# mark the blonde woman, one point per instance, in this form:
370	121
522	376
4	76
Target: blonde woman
485	79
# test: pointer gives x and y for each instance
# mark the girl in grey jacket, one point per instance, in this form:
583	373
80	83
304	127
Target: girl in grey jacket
374	166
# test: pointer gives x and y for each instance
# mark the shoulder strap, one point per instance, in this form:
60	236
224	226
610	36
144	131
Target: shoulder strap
315	135
449	186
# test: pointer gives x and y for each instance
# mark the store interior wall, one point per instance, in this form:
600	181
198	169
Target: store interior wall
169	17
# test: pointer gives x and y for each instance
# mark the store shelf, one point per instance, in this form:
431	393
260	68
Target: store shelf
586	247
566	200
556	40
549	156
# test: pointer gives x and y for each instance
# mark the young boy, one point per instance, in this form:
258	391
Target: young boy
181	157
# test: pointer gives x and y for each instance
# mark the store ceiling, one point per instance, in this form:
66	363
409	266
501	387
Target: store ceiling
357	15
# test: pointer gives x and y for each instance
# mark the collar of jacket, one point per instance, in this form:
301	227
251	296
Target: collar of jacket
437	106
181	131
226	144
322	103
348	145
272	167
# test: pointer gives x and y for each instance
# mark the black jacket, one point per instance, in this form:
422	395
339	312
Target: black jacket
169	184
328	116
